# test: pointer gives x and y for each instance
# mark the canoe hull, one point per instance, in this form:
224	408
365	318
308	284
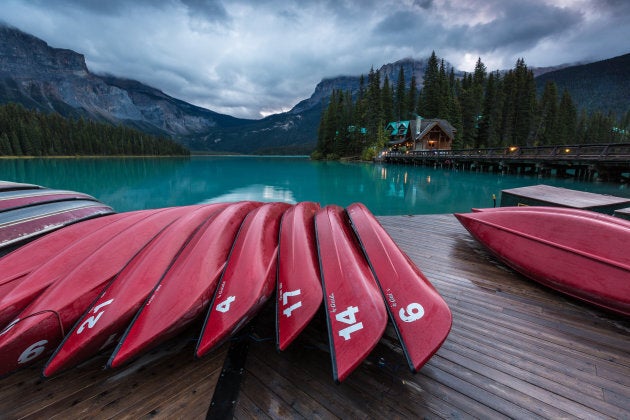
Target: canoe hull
355	311
29	257
10	200
109	315
69	297
580	256
24	224
171	308
249	277
420	316
299	291
22	290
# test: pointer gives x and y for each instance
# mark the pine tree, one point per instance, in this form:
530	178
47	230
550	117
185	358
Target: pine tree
431	89
547	132
567	120
400	99
412	98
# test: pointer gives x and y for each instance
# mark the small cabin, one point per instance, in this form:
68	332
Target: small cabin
420	134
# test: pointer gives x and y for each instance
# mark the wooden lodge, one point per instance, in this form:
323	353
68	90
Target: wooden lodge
420	134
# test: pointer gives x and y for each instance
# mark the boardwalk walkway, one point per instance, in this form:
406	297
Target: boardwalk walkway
516	350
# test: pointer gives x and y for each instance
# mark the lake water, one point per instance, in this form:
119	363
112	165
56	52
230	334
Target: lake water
141	183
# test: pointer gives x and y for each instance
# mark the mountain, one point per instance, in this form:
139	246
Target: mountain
599	86
51	79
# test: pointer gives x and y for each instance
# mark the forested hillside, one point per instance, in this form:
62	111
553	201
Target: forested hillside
601	86
30	133
493	109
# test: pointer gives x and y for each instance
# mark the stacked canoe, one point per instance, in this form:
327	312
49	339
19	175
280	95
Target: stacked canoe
127	282
28	211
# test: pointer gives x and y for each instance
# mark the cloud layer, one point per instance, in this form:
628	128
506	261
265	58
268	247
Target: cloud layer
250	59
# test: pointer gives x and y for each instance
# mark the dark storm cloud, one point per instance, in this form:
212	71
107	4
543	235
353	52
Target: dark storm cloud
253	58
519	27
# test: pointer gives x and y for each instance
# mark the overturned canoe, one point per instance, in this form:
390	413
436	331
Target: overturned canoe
110	314
249	277
299	291
570	251
23	224
25	288
39	328
12	186
31	256
185	291
15	199
420	316
355	311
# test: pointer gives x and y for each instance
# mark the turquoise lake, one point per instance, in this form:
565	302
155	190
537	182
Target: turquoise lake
140	183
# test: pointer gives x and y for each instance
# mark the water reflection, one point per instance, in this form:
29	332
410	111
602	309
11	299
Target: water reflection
128	184
256	192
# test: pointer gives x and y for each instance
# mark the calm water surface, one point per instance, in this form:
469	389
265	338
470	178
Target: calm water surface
141	183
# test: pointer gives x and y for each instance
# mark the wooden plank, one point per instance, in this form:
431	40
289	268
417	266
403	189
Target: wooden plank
516	349
546	195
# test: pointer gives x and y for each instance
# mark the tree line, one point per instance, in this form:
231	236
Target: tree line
26	132
487	109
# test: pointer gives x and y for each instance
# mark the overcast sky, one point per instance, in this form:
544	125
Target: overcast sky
252	58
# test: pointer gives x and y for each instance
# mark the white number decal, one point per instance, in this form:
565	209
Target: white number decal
225	305
415	310
91	321
285	301
33	351
347	317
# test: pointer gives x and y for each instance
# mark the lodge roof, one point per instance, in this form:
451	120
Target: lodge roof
401	128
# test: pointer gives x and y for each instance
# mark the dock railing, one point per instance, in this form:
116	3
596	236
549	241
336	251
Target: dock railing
586	152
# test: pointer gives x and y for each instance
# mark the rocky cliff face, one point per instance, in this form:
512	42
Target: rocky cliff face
52	79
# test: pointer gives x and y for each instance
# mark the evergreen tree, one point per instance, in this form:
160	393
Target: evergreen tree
400	99
547	132
431	89
567	120
442	100
387	102
524	104
412	98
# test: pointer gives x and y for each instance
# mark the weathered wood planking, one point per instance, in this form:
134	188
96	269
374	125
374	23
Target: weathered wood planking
547	195
516	350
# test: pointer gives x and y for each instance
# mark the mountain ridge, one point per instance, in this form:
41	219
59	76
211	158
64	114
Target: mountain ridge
58	80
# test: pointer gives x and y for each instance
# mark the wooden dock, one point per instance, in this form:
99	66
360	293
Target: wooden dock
516	350
547	195
606	162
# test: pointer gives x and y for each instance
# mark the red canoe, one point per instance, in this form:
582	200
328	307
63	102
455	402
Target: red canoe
27	258
12	186
419	314
567	210
26	288
173	306
299	290
569	251
355	309
20	225
23	198
41	326
111	313
249	277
